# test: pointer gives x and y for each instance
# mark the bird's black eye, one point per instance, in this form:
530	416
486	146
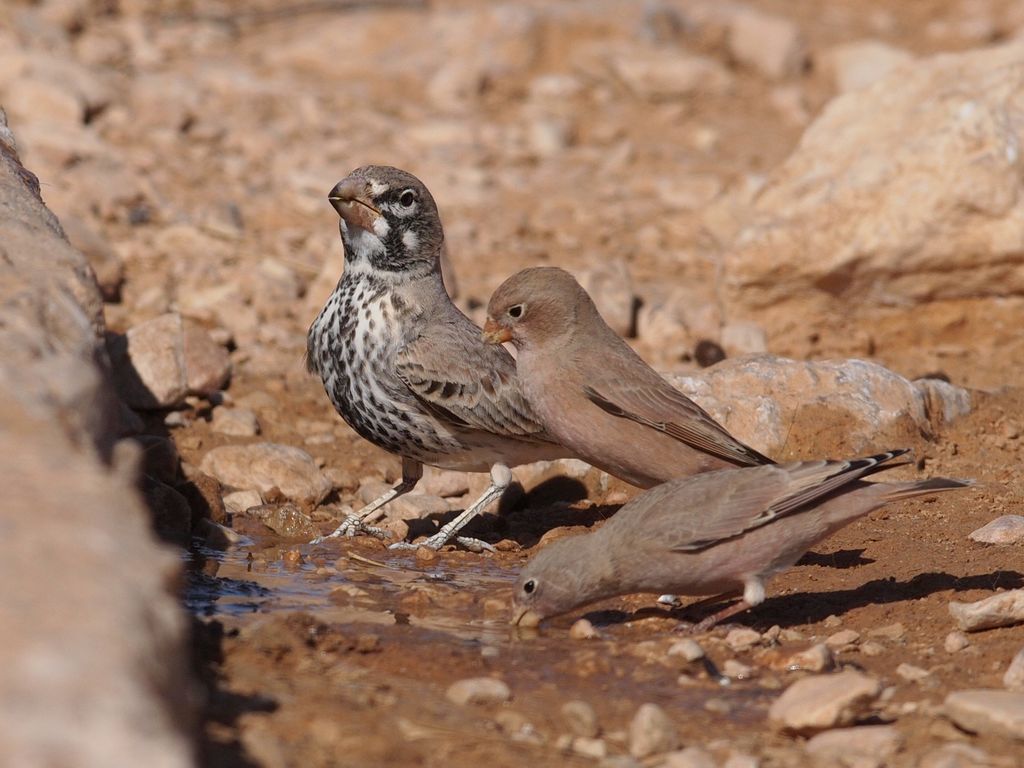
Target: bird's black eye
517	312
407	199
529	586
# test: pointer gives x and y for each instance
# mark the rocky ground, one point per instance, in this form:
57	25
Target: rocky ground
755	193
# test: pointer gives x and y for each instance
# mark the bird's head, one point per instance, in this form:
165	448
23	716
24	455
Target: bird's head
559	578
534	307
389	221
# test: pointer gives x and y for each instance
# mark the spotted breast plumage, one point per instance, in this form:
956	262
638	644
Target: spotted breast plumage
401	364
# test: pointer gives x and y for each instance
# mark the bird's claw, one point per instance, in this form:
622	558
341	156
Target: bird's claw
352	526
438	540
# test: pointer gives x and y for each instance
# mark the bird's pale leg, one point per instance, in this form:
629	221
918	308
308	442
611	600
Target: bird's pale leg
753	594
358	522
501	479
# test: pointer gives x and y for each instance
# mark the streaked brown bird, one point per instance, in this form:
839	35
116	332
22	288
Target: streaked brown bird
719	533
402	365
594	394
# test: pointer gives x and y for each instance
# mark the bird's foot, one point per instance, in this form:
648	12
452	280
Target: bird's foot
352	526
439	539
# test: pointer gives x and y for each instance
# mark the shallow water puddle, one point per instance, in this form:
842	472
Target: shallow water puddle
354	589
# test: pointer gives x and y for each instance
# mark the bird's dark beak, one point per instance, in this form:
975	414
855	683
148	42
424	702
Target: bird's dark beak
351	199
525	617
494	333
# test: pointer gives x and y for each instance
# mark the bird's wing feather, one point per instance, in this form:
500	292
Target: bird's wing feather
462	380
753	498
658	405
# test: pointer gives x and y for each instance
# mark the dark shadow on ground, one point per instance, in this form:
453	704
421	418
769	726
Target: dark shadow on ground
812	607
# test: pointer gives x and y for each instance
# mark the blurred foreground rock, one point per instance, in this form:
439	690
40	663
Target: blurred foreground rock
854	405
92	663
904	192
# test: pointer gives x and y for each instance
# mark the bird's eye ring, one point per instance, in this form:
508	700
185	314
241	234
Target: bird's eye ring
529	586
515	311
407	199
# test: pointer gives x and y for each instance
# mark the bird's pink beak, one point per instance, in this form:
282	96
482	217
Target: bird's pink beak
351	199
494	333
525	617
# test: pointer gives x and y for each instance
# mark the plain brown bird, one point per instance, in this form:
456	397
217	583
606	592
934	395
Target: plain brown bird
594	394
719	533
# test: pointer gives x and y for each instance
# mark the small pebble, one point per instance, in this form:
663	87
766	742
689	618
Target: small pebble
833	621
582	629
871	648
889	631
478	690
687	648
737	670
742	639
1013	678
581	719
817	658
651	732
426	554
842	639
691	757
593	748
956	641
911	673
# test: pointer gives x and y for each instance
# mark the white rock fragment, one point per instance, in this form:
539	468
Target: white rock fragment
824	701
912	673
742	639
688	649
817	658
955	642
1001	610
263	466
651	732
864	745
987	711
1013	678
149	363
691	757
478	690
581	719
842	639
773	45
587	747
1008	529
236	422
238	502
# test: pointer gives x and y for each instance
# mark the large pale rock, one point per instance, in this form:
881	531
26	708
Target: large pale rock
768	400
1006	529
824	701
149	363
93	666
906	191
1001	610
988	711
263	466
867	745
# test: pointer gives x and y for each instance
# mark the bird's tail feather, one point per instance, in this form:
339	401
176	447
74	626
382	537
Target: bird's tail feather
932	485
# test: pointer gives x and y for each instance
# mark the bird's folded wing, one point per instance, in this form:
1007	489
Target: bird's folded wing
755	497
662	407
467	383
